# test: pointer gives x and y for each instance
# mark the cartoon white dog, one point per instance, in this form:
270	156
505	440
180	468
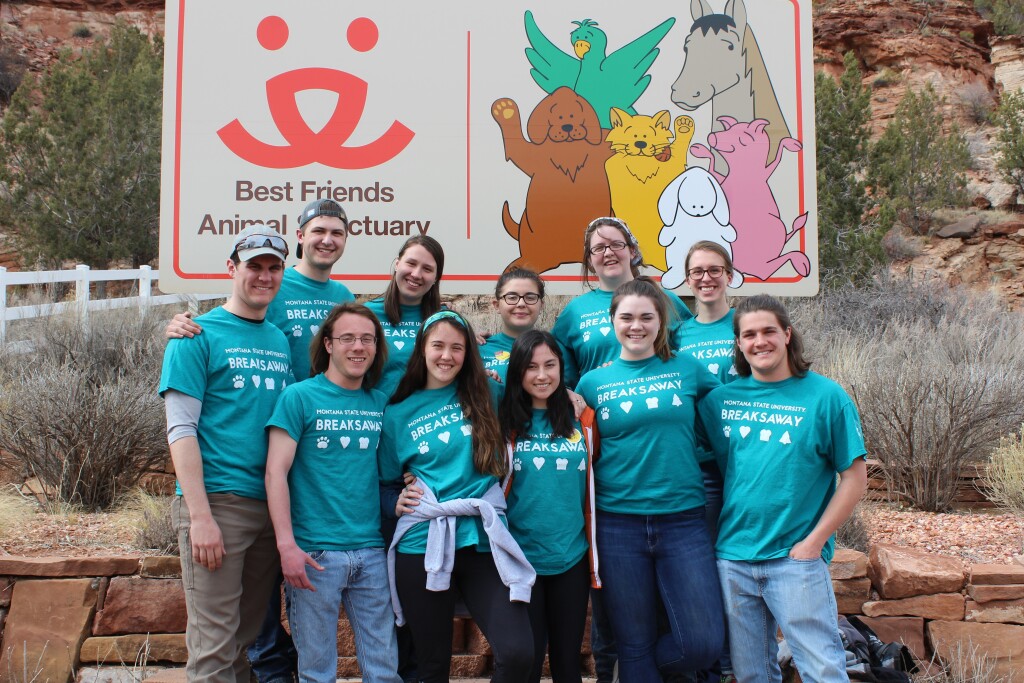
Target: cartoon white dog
693	208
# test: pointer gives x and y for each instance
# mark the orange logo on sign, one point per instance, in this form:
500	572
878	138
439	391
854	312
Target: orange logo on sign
306	146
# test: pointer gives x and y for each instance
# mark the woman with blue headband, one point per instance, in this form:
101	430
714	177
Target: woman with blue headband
441	426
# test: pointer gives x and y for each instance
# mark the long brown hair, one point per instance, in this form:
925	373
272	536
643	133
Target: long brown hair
798	365
431	302
319	358
471	387
646	287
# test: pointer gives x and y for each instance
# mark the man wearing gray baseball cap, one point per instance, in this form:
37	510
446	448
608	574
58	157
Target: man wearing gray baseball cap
219	390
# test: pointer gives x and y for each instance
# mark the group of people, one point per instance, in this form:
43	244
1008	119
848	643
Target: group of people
677	472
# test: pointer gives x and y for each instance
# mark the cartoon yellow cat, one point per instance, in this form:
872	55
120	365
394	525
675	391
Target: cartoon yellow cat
646	160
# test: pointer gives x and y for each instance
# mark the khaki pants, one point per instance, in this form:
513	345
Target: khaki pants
226	607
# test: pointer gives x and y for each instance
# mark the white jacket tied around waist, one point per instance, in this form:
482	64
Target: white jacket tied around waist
513	567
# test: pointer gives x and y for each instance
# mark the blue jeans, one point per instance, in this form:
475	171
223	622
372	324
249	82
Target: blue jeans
713	486
646	556
272	655
794	595
359	580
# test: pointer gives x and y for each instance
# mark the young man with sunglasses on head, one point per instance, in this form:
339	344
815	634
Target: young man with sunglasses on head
219	389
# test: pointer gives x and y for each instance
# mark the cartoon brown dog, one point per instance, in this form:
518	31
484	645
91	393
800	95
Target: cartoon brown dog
564	157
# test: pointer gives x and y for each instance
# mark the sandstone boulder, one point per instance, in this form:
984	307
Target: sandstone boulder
161	567
45	628
114	674
1002	644
997	574
68	566
962	229
137	605
851	594
947	606
160	647
848	564
906	630
996	611
990	593
898	572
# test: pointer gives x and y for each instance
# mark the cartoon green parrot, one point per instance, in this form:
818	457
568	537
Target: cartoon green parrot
616	80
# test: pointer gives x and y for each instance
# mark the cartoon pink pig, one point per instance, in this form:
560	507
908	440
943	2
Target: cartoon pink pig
760	233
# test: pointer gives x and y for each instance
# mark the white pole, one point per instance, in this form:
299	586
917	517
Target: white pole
3	304
82	293
145	288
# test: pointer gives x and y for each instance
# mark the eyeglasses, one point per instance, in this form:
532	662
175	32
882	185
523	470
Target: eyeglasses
350	339
513	299
599	249
263	241
698	273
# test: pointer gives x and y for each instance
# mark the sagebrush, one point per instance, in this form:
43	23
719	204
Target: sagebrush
935	371
80	410
1005	478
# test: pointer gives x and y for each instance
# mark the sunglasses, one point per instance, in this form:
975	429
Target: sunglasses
274	242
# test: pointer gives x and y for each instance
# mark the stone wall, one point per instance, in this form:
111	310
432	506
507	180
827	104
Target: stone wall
931	604
119	619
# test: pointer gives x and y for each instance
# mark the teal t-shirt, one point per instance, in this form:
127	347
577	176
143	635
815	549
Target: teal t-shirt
545	504
495	353
584	329
237	368
299	308
426	434
401	338
333	479
779	446
713	344
646	413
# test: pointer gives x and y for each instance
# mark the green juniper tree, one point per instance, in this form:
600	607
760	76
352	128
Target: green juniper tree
80	177
915	166
1010	139
849	248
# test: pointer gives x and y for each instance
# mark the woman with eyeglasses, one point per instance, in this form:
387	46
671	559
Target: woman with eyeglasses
519	300
710	339
441	426
584	327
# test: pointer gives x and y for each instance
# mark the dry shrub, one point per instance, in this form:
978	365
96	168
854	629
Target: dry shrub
80	410
853	533
1005	478
936	373
154	526
15	512
963	663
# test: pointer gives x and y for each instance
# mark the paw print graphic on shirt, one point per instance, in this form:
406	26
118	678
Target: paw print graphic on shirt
605	413
238	381
586	336
296	330
424	447
517	464
322	442
727	430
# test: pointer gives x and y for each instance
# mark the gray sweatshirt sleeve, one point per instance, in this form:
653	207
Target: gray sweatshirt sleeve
182	413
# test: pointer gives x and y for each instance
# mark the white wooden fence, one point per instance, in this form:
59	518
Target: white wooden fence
83	276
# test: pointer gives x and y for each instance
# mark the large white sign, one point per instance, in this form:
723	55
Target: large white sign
501	130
